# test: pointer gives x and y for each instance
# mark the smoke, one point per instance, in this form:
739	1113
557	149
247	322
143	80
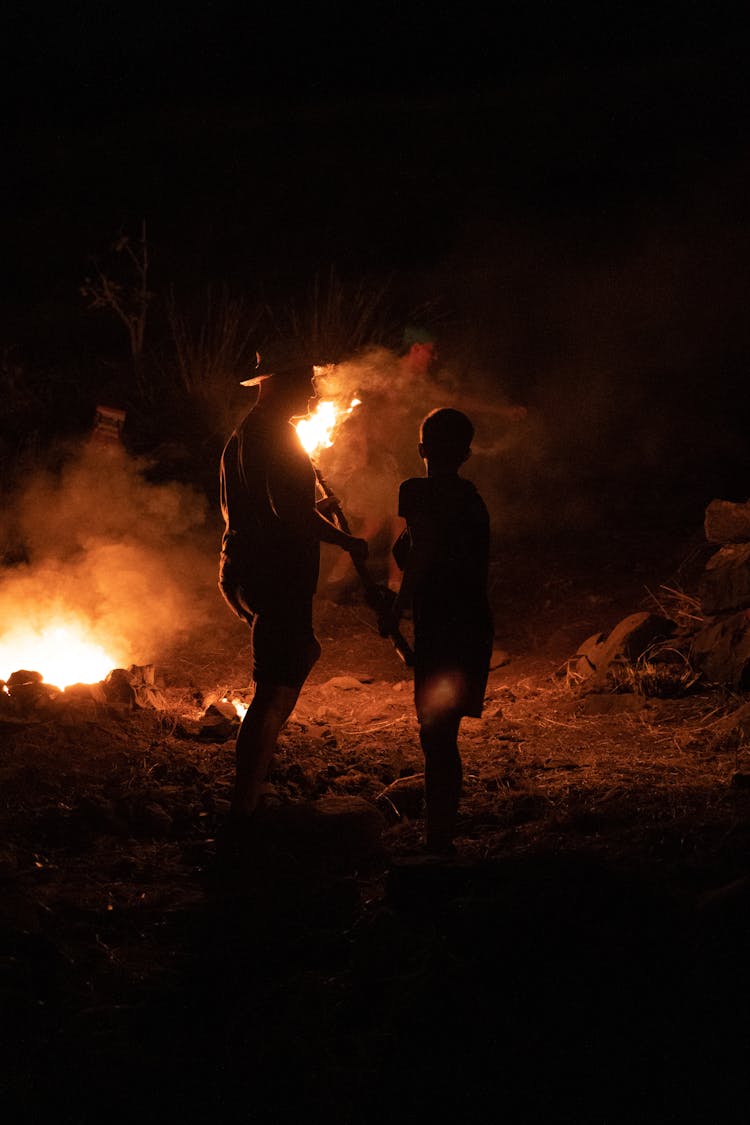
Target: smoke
110	550
628	357
377	446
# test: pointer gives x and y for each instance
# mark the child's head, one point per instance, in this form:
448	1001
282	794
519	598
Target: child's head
445	438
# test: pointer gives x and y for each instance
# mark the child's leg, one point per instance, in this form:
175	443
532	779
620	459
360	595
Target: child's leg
442	778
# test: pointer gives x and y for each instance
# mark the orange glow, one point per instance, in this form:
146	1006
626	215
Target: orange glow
239	706
316	431
61	652
443	693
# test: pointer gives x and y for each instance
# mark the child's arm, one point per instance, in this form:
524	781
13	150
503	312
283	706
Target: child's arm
415	567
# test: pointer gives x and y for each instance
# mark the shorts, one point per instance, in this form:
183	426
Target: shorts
451	679
285	647
448	691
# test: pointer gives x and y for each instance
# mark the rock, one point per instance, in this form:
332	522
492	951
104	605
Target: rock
585	654
721	651
295	774
344	683
22	676
118	688
187	728
499	659
221	710
143	673
340	831
403	798
629	639
134	687
150	697
30	694
726	522
27	690
217	729
147	695
725	585
94	692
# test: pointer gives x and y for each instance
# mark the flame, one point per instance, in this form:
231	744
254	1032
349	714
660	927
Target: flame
317	429
61	653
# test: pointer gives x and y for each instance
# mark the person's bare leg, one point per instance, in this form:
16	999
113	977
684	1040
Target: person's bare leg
256	741
443	774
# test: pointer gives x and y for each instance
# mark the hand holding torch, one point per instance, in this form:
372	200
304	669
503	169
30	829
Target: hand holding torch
379	598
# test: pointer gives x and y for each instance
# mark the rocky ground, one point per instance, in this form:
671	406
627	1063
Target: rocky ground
583	958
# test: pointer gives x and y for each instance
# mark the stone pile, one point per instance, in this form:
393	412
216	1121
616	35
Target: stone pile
711	646
138	690
26	692
721	647
603	661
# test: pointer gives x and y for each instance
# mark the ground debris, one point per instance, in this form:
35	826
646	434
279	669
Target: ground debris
577	833
345	683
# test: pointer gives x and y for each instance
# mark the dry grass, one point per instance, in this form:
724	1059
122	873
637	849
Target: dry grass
678	606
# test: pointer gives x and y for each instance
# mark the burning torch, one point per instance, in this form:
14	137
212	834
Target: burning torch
315	432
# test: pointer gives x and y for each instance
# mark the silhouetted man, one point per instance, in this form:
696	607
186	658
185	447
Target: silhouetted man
270	557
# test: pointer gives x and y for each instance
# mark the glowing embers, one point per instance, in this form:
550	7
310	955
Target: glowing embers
317	429
61	652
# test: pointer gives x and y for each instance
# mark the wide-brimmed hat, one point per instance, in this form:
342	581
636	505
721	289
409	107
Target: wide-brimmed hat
284	357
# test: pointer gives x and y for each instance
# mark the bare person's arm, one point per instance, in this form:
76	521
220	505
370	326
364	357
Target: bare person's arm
294	509
417	563
327	532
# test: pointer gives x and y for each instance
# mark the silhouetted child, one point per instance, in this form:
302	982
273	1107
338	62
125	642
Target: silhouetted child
444	554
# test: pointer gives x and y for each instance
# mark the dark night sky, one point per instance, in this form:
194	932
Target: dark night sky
371	137
572	177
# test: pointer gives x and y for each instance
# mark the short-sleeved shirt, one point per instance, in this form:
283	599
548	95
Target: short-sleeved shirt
267	484
453	628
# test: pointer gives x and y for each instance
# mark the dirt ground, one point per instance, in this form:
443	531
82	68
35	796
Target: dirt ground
583	958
